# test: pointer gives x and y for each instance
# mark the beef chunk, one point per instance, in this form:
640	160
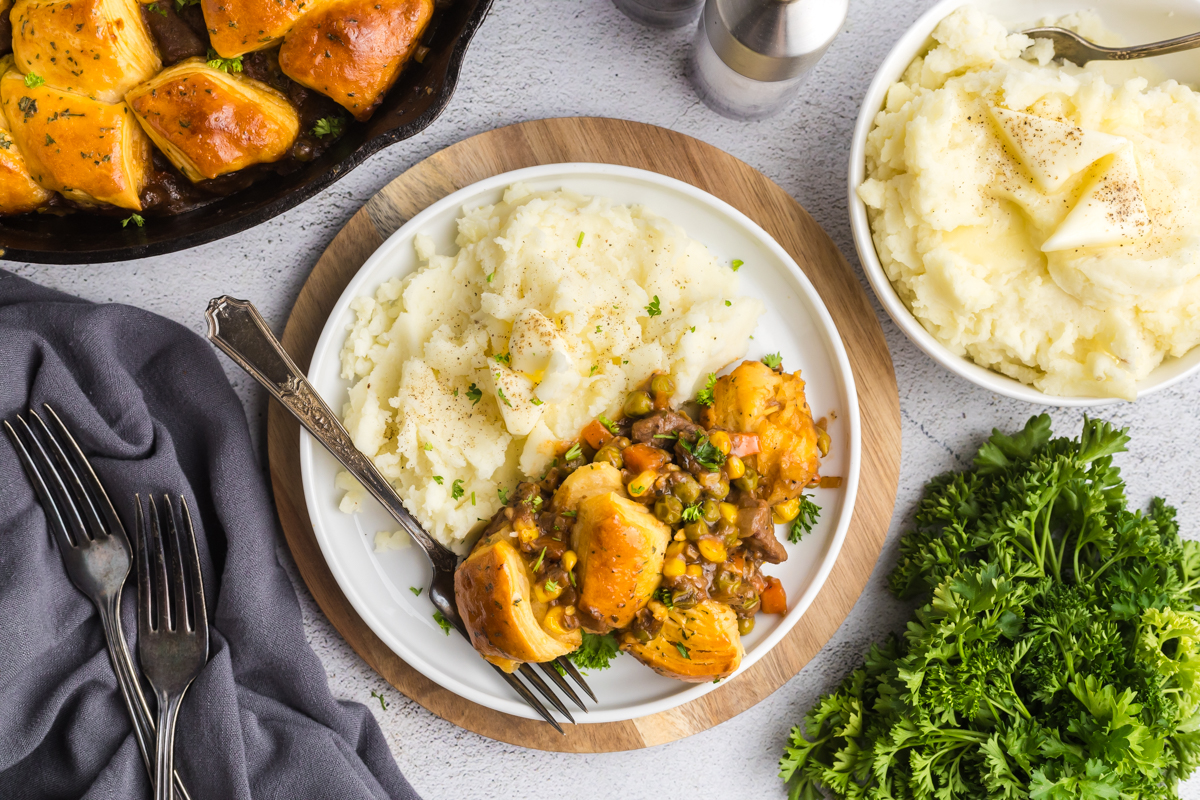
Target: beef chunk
663	422
757	532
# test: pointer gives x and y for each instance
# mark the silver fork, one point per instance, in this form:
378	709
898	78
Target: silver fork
239	330
1072	47
93	546
172	630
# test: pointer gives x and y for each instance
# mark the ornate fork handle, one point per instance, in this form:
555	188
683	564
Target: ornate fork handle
239	330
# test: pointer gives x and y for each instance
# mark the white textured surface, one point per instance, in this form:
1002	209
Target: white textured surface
549	58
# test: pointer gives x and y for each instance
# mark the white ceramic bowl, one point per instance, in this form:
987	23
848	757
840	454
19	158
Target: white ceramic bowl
796	324
1138	22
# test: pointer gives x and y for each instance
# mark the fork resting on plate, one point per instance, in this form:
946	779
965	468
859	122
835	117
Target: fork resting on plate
237	328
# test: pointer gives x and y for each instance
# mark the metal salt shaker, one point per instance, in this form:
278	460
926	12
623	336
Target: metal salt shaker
661	13
750	57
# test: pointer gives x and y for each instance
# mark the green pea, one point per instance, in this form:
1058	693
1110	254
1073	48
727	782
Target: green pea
728	583
662	384
687	490
718	490
612	455
710	511
745	625
638	404
748	482
621	442
668	509
694	530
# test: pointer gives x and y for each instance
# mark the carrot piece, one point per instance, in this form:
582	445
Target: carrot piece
774	599
642	457
744	444
595	434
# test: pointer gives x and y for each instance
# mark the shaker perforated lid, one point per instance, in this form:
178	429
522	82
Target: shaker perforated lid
772	40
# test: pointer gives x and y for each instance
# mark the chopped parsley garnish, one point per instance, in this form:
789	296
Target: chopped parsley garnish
503	358
728	302
653	310
416	590
226	64
773	360
671	436
536	502
575	452
593	370
456	489
665	596
705	452
503	494
328	126
442	622
810	512
569	513
538	563
551	586
500	393
579	241
472	498
428	446
28	106
535	401
375	694
608	424
34	81
683	651
474	394
157	9
705	396
737	264
596	652
438	479
136	219
691	513
490	275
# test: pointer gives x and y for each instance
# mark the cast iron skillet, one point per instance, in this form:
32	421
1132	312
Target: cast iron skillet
418	97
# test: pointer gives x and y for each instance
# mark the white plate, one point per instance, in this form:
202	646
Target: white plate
796	324
1138	23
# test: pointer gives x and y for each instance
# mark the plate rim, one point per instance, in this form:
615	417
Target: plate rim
835	348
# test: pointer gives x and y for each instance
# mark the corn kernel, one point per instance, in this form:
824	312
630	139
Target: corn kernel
785	512
642	483
735	467
568	560
729	513
526	531
552	622
695	570
675	549
712	550
673	567
823	443
721	441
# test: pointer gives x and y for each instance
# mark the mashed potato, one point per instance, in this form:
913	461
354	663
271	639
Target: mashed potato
478	369
1041	219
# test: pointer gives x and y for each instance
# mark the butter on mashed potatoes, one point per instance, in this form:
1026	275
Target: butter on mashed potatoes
1040	218
476	370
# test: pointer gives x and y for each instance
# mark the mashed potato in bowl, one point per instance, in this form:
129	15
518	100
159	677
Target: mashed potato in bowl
1039	218
476	370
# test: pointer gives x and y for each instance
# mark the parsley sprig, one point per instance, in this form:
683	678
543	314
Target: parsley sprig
810	512
1057	653
705	452
596	651
705	396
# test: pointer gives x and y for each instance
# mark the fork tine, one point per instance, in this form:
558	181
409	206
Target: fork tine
528	697
546	691
561	683
70	480
95	490
58	527
145	617
179	607
191	559
56	492
574	675
159	571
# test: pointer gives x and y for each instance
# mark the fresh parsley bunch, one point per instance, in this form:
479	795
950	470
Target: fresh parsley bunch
1058	655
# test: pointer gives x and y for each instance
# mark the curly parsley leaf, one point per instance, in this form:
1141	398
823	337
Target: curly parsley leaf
474	394
810	512
773	360
596	651
329	126
653	309
224	64
456	489
705	396
442	622
704	452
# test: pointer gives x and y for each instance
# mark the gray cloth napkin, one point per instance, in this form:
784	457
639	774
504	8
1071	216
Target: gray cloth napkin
151	406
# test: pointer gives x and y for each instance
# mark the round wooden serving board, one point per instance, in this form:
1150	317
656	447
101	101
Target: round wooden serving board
647	147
